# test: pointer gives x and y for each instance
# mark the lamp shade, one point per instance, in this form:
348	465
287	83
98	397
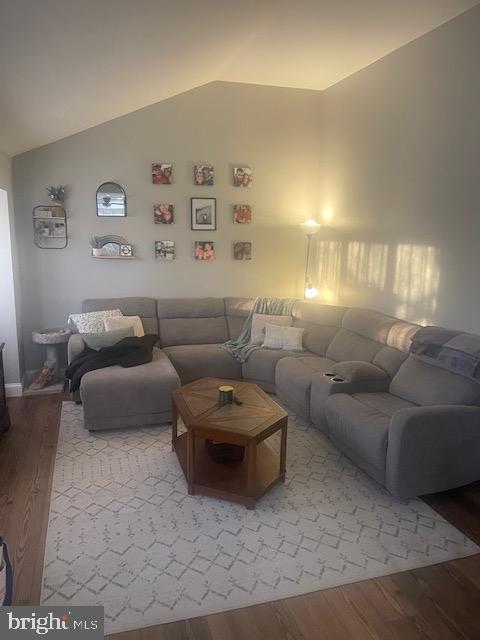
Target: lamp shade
310	227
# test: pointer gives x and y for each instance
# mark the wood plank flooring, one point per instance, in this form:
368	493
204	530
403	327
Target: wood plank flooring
441	602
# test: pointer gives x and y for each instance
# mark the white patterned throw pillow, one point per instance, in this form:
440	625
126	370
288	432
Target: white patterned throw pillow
92	321
259	320
287	338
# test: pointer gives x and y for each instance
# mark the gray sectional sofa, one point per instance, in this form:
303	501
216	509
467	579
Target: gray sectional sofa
411	425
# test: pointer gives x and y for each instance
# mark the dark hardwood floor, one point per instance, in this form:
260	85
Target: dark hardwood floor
435	603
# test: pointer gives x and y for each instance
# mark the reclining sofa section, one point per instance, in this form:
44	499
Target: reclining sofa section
411	425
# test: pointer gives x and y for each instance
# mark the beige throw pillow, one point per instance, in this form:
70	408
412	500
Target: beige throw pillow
259	320
125	321
287	338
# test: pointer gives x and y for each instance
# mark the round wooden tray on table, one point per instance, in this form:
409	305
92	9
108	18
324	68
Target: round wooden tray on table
249	423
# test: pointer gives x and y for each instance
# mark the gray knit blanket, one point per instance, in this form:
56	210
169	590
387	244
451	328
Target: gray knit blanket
453	350
241	348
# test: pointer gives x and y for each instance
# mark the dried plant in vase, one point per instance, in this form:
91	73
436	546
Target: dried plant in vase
96	242
56	194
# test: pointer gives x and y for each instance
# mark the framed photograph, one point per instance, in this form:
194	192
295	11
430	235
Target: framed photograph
204	214
163	213
205	251
165	250
203	175
242	176
162	173
242	213
242	250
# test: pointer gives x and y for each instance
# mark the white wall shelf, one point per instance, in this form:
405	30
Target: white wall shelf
114	257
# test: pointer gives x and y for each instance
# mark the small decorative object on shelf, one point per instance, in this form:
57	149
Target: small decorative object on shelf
50	338
50	227
126	251
56	194
111	247
97	246
4	416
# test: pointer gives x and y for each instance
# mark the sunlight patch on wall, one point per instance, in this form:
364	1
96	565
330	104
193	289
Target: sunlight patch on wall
367	265
417	275
328	259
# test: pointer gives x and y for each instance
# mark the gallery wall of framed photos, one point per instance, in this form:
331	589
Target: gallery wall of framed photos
251	171
203	212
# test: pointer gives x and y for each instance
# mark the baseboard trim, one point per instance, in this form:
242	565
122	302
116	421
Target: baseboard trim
13	389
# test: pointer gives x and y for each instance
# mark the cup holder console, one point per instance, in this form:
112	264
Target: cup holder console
333	377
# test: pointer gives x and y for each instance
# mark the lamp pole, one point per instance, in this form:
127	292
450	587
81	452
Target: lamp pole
309	238
309	228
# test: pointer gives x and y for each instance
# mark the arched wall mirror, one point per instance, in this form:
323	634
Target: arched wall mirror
111	200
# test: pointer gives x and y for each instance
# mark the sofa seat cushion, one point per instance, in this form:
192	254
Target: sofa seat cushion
358	425
293	379
194	361
385	403
132	396
262	363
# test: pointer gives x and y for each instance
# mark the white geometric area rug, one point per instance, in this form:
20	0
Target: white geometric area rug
124	533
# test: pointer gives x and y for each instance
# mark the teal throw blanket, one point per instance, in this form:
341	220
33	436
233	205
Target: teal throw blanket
241	348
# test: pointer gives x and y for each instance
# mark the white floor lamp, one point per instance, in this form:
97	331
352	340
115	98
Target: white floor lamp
309	228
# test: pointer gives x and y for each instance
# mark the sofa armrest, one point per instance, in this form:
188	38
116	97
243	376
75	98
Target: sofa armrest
76	345
433	449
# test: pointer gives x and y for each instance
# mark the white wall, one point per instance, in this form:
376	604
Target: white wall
8	321
401	173
393	152
273	130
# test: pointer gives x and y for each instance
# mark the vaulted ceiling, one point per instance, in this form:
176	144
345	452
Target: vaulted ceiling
66	65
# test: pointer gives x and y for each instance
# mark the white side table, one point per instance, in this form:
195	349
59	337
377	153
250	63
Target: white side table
51	339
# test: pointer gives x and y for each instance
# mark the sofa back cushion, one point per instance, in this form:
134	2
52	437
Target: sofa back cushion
374	337
192	321
237	310
369	324
321	323
347	345
425	384
134	306
389	359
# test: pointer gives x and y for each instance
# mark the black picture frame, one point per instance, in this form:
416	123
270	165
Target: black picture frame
203	208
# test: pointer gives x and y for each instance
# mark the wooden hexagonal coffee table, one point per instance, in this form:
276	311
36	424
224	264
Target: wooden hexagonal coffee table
248	424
